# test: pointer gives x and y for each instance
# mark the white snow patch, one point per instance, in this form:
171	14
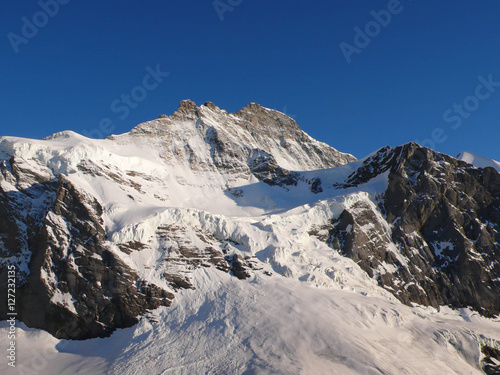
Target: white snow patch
478	160
274	326
64	299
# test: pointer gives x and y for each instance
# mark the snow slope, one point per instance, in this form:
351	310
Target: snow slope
478	160
271	326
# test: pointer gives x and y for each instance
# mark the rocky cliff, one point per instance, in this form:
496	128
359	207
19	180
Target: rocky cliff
433	238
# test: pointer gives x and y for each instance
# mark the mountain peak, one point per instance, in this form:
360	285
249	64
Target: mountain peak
211	105
253	106
256	108
232	140
187	104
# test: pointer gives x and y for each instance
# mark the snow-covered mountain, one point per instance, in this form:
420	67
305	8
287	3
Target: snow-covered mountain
235	243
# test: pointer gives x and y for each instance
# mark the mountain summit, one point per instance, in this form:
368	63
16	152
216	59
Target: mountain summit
210	138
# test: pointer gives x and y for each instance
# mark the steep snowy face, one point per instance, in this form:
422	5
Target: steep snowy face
208	138
223	148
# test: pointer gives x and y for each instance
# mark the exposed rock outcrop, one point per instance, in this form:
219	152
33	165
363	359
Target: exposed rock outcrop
76	287
434	238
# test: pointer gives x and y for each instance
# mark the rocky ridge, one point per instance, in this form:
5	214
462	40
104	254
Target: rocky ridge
433	238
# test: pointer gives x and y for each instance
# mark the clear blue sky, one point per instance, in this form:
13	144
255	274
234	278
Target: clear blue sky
284	55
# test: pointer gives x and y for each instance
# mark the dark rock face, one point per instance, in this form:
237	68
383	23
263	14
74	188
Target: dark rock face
182	256
265	168
316	185
490	360
434	239
77	287
244	267
238	267
19	216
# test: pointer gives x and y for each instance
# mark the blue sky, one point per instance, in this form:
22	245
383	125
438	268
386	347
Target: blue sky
72	71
